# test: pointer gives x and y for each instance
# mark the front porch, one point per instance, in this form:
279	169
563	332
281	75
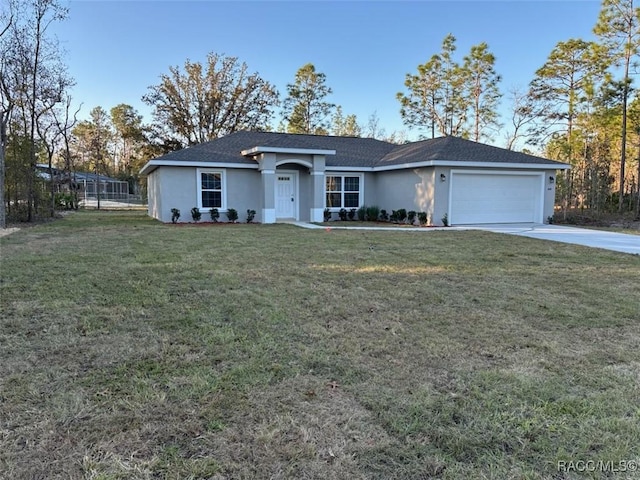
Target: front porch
292	183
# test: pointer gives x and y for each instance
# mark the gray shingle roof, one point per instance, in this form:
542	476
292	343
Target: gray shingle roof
351	151
454	149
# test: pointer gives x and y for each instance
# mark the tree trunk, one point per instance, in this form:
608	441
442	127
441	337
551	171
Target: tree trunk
3	144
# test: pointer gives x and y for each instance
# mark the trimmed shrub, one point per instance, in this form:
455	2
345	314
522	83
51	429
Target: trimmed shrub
251	214
215	215
373	212
342	214
402	215
362	213
175	215
384	216
232	215
422	218
411	216
327	215
445	220
195	214
352	214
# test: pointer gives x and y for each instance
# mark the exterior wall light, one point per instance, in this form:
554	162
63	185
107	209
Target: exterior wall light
551	180
443	177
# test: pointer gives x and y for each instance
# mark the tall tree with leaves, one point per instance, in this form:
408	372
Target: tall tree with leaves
345	126
436	97
619	26
482	83
129	138
306	108
204	102
562	83
564	87
93	140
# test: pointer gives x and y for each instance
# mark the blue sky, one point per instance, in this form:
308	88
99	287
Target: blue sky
115	50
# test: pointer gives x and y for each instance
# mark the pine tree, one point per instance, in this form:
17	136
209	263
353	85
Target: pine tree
619	26
305	108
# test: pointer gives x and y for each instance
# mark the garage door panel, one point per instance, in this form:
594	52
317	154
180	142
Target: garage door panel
495	198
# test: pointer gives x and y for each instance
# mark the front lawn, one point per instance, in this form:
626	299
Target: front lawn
130	349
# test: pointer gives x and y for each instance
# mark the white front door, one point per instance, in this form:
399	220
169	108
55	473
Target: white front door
286	201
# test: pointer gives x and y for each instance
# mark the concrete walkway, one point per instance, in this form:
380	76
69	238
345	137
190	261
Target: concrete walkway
617	242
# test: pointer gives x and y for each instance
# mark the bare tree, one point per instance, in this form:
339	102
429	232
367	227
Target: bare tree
65	121
524	112
6	99
33	76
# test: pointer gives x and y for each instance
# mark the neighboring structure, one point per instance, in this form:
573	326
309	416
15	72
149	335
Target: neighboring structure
295	177
86	184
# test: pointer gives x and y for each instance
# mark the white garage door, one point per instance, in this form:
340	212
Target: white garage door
505	197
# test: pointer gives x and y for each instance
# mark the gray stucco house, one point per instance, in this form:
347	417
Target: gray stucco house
295	177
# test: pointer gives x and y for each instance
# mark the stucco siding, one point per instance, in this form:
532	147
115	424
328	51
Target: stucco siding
176	187
409	189
244	191
549	195
440	195
370	189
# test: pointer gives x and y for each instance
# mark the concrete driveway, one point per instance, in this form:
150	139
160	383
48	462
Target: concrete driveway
618	242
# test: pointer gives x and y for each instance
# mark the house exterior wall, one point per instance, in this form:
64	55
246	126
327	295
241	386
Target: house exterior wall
549	195
176	187
441	195
411	189
244	192
370	186
418	189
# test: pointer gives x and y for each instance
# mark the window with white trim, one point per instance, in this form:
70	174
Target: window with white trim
343	191
211	189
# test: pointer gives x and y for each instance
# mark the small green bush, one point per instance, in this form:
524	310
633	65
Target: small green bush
232	215
251	214
175	215
445	220
327	215
422	218
215	215
411	216
402	215
384	216
342	214
352	214
195	214
362	213
373	212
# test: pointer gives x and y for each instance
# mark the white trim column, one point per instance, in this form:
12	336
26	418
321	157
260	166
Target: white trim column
317	193
267	166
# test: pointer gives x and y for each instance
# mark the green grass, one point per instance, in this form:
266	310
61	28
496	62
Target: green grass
132	349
